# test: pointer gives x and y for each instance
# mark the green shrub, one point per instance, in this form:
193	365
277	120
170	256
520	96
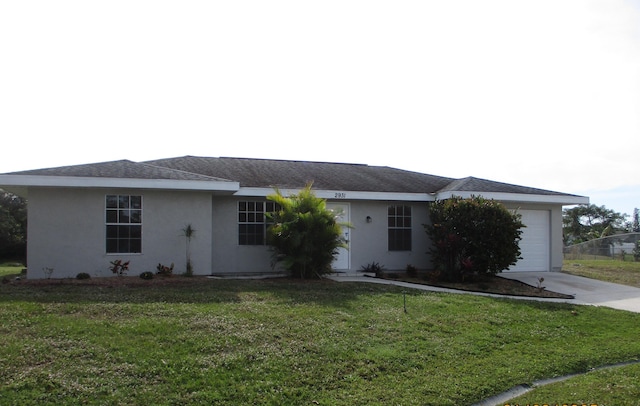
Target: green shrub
305	235
146	275
473	236
83	275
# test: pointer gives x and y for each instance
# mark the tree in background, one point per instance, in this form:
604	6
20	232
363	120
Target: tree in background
588	222
473	236
304	235
13	226
635	222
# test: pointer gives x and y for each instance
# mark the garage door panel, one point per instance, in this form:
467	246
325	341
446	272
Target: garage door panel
535	243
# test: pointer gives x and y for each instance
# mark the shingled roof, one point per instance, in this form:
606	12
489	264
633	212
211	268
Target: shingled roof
270	173
284	174
471	184
123	169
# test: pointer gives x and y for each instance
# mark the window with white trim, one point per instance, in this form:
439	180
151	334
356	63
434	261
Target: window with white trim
399	227
123	224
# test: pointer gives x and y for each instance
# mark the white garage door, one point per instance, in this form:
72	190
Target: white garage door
535	243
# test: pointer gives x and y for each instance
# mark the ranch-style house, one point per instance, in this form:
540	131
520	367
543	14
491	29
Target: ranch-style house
83	217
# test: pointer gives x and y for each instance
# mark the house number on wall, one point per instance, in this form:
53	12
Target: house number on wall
340	195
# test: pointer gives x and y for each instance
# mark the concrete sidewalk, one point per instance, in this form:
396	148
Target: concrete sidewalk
585	291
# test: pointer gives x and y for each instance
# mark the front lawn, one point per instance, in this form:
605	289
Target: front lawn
608	270
287	342
10	269
607	387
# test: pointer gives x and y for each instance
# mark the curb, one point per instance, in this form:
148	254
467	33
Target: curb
504	397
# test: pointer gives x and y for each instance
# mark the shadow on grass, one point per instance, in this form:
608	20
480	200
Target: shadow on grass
202	290
195	290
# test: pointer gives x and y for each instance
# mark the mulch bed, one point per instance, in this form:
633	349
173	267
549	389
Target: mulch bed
486	284
113	281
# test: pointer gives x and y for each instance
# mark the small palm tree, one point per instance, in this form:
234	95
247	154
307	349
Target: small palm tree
188	233
305	235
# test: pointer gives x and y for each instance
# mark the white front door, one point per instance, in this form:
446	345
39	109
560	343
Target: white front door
341	260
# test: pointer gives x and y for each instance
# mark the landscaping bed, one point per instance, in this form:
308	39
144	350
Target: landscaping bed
485	284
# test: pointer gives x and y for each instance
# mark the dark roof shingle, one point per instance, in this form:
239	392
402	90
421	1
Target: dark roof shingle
122	169
287	174
296	174
471	184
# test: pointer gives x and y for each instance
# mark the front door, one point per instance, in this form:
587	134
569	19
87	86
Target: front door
341	261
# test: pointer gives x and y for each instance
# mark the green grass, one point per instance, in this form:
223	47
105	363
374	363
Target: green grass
609	270
284	342
607	387
617	386
10	269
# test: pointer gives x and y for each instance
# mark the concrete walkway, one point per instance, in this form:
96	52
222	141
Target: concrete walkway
585	291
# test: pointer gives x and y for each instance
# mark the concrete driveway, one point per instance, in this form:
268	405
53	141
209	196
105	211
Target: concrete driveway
586	291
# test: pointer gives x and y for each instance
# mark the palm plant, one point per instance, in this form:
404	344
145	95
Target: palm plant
305	235
188	233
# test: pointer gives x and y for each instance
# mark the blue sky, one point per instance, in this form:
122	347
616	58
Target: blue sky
539	93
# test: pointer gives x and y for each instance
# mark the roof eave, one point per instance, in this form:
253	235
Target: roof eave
339	194
103	182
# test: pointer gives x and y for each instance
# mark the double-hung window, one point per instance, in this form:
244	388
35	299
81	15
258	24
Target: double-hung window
252	221
399	227
124	224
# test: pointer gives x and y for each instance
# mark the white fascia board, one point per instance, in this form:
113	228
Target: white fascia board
340	194
518	197
89	182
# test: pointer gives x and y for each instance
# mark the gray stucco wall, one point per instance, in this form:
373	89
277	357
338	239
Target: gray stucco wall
66	231
228	257
557	242
368	241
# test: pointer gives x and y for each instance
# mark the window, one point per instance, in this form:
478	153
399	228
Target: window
399	218
252	222
124	224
